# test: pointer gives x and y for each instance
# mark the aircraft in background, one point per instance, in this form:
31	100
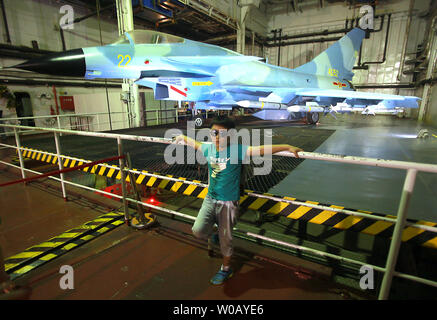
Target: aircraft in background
216	78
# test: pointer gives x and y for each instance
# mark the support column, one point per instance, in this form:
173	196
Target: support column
125	24
241	31
431	67
245	6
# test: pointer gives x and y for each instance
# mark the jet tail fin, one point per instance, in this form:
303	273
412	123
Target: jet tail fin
339	59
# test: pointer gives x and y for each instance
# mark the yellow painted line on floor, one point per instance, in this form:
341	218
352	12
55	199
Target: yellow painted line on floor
191	188
118	176
432	243
69	246
324	215
177	185
69	235
163	184
279	206
257	203
102	171
151	182
348	222
10	265
50	244
203	193
243	198
411	232
48	257
101	230
102	220
141	177
299	212
24	269
88	237
377	227
26	255
110	172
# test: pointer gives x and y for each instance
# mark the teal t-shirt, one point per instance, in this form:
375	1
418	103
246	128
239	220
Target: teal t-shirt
224	169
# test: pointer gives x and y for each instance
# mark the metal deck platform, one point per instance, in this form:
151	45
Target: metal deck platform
155	264
277	226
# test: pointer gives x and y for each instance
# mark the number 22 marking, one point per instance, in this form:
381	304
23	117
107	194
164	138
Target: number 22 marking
122	59
333	72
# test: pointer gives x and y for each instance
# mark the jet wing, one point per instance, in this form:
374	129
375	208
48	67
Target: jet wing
358	97
294	95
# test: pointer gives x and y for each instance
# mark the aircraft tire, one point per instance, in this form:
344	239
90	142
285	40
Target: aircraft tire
312	117
198	122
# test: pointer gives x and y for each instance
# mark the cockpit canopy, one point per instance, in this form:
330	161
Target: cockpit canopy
147	37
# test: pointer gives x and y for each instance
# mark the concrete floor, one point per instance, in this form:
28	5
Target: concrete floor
164	263
363	187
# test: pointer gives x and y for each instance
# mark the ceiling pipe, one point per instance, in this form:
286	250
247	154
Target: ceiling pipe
364	66
319	33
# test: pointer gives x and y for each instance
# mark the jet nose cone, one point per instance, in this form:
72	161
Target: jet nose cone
67	63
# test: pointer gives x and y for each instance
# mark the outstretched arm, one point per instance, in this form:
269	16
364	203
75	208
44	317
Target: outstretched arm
271	149
188	141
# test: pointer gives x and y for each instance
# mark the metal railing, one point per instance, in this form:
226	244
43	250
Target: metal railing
156	115
75	121
400	222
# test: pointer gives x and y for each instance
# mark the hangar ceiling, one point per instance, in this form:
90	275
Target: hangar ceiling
196	21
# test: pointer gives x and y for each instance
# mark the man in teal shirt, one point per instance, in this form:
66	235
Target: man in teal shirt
220	206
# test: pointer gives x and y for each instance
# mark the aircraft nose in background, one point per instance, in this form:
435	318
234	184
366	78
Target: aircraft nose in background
68	63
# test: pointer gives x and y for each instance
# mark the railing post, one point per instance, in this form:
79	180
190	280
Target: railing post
397	234
20	155
61	164
123	181
58	120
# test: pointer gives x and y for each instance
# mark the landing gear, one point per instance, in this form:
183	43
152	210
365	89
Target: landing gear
312	117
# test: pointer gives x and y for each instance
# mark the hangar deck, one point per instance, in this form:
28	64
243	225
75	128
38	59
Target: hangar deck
380	185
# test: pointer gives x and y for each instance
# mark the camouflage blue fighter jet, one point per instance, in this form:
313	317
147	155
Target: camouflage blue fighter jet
213	77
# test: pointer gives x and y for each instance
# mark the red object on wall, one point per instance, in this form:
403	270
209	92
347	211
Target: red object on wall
67	103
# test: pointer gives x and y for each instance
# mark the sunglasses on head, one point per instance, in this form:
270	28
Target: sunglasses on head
221	133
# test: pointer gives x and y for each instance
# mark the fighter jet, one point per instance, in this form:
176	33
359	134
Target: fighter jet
212	77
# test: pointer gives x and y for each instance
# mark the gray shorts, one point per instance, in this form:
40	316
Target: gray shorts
222	213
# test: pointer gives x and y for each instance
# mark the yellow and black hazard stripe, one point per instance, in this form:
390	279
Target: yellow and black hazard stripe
302	213
40	254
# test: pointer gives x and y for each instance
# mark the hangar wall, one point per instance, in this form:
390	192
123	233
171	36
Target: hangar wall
333	17
37	20
431	116
30	20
